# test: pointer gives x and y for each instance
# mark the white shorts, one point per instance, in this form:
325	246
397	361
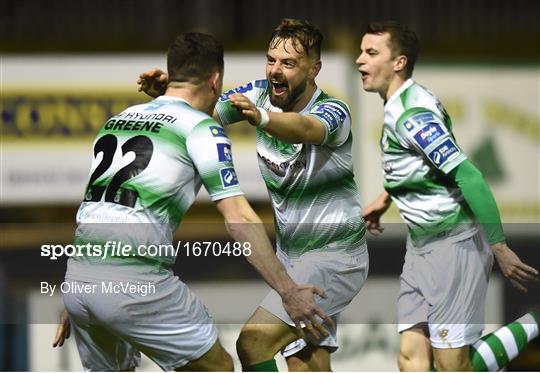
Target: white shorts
171	326
446	288
339	275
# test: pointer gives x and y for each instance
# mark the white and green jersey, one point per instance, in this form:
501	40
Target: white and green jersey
312	189
148	166
418	150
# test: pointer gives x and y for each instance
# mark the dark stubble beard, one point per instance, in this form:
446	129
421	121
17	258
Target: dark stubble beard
292	97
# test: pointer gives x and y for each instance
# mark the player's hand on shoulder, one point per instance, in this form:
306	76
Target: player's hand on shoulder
300	304
63	330
153	82
517	272
246	107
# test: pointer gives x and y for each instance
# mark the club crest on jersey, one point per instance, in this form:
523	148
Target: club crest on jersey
332	115
228	177
217	131
409	126
428	134
224	152
443	152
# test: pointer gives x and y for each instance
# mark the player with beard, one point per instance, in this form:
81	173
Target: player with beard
304	144
176	149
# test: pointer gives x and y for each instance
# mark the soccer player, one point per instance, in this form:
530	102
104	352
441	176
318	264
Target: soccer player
304	146
149	164
453	220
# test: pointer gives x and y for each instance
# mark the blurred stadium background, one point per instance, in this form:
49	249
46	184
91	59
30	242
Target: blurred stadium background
67	65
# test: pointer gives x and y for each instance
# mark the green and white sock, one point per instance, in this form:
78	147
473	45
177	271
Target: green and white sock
494	351
264	366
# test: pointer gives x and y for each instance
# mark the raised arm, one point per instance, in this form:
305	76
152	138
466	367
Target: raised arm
326	123
153	82
292	128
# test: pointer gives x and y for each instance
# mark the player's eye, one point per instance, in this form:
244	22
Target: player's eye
289	64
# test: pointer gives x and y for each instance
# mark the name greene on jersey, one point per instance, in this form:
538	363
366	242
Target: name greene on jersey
140	122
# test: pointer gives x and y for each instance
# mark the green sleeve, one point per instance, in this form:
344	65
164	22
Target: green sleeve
227	114
478	196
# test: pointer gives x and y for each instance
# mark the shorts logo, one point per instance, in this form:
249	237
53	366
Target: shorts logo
217	131
443	152
331	114
443	333
228	177
428	135
224	152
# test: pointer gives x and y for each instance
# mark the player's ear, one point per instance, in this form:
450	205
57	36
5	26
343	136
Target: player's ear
315	68
216	81
400	63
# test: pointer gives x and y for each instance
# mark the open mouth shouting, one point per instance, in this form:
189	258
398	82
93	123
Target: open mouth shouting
364	74
279	87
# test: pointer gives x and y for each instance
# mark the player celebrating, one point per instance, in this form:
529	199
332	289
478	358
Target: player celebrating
304	146
149	163
442	197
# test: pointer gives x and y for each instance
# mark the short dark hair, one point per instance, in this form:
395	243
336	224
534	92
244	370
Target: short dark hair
300	32
402	41
193	57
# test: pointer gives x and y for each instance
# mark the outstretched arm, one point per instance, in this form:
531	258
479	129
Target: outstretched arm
292	128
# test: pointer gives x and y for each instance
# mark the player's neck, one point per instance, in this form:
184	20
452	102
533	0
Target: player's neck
300	104
195	96
396	82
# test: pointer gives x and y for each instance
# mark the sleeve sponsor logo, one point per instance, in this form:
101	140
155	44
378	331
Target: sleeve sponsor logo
217	131
418	119
242	89
428	134
423	118
262	83
443	152
224	152
228	177
331	114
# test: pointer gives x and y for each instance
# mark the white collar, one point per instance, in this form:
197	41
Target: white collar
172	99
312	100
409	82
